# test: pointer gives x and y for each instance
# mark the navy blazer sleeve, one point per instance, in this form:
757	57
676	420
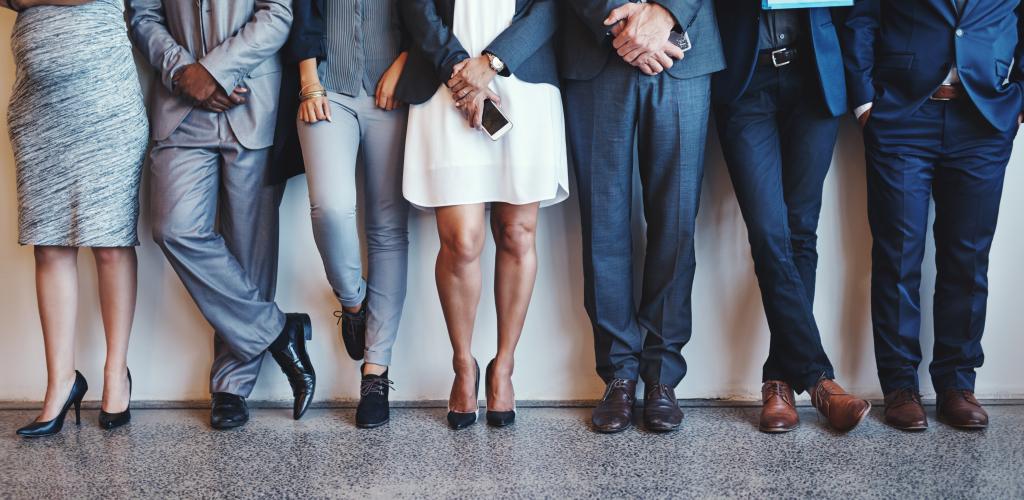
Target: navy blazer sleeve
1018	71
684	11
428	31
306	38
858	34
532	30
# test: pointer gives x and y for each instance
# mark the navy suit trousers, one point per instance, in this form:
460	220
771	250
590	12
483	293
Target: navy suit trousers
778	139
663	122
946	151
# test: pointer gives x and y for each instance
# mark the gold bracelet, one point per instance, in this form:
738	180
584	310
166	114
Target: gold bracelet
312	95
302	90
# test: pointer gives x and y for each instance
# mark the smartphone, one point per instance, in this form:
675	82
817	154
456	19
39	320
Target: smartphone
681	40
495	123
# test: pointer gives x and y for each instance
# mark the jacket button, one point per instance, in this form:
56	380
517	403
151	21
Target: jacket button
959	33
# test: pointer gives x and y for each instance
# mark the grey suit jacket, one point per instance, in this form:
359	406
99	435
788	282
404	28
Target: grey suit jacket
237	41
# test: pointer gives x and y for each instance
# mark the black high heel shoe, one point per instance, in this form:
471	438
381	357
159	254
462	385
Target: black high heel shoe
497	418
51	427
110	421
459	420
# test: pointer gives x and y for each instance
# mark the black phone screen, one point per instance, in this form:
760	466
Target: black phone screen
493	120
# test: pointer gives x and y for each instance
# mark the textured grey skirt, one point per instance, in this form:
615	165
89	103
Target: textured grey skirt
78	126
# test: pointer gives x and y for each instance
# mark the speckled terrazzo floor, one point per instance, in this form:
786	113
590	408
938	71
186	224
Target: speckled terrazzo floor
549	452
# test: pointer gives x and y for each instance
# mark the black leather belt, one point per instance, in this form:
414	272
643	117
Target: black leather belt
779	57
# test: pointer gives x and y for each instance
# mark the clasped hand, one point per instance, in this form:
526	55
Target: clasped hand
197	84
641	32
470	87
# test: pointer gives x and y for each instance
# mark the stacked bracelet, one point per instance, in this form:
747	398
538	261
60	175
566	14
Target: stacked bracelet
312	94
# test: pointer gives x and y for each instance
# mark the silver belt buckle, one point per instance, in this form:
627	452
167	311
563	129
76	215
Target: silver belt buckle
775	59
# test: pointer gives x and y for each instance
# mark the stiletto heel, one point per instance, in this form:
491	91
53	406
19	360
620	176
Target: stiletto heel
51	427
460	420
497	418
114	420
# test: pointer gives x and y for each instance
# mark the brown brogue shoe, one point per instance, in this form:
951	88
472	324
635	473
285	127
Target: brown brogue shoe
842	410
779	411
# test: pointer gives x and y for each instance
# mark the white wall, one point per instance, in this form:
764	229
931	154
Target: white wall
171	347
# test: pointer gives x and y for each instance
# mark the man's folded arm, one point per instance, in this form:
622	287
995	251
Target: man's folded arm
258	40
858	34
148	26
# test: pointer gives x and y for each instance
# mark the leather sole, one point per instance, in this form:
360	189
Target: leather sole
907	428
662	430
606	430
776	430
860	419
966	427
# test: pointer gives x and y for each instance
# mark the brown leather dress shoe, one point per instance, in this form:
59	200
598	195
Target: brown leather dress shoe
779	411
842	410
959	408
904	411
661	409
615	411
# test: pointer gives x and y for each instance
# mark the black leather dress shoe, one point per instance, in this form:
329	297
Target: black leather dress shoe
615	411
374	410
289	351
353	332
661	409
228	411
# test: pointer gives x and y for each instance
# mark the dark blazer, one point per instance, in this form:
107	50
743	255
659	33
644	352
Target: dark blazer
740	20
526	46
898	52
586	44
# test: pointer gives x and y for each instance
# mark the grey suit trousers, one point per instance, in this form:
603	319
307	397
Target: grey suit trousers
216	220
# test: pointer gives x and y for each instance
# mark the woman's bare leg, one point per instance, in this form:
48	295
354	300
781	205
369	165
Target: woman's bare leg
514	228
117	269
461	229
57	294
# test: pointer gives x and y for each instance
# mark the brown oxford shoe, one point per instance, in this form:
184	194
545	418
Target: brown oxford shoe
779	411
904	411
661	409
615	411
842	410
959	408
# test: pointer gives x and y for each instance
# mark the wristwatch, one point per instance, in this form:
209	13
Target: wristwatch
495	62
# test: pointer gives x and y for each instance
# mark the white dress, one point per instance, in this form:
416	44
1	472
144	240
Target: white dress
449	163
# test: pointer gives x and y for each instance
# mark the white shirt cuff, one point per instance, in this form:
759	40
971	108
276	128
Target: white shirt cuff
863	108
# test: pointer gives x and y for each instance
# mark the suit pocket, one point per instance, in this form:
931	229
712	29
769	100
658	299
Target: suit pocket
895	61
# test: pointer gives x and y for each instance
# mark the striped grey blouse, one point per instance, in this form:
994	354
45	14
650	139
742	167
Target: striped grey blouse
362	38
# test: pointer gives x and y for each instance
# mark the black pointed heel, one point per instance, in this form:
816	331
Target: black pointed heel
51	427
497	418
459	420
110	421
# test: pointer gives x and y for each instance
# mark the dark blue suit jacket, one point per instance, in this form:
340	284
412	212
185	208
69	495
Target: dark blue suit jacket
898	52
526	46
740	21
586	45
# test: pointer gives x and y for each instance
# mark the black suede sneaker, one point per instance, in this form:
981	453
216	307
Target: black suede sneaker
353	332
374	410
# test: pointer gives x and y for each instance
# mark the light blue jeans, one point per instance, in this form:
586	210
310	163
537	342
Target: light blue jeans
361	133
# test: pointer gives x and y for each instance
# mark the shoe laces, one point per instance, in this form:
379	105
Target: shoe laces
777	389
376	386
619	383
905	396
